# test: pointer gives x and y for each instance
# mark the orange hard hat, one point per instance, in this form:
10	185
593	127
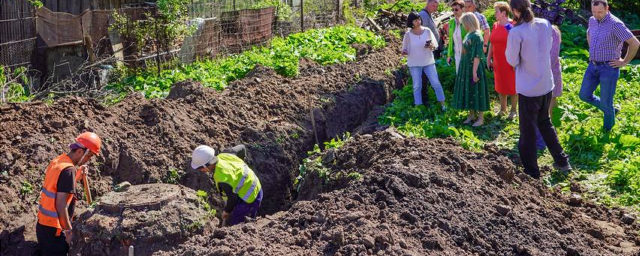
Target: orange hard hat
90	141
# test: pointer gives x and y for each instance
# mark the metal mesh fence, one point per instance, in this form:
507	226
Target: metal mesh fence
228	26
221	27
17	33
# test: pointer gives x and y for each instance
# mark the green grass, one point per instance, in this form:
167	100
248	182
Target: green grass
324	46
607	165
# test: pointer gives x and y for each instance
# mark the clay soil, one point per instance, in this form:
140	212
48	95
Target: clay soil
144	140
411	197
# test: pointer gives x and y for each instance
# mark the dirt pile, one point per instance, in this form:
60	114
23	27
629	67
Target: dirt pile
425	197
144	141
149	217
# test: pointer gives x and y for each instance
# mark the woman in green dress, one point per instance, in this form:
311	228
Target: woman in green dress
471	91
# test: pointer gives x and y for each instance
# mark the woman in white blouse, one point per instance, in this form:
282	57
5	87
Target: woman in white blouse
419	44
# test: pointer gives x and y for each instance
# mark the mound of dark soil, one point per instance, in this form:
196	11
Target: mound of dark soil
425	197
145	140
149	217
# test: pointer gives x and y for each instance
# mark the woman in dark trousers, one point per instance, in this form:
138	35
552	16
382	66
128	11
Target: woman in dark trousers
534	85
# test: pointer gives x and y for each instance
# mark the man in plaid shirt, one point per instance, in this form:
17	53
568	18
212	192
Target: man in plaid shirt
605	35
470	6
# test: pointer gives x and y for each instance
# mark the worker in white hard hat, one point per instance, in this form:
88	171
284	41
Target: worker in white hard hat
233	178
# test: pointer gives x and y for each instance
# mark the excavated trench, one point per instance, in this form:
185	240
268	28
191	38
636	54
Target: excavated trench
146	141
155	217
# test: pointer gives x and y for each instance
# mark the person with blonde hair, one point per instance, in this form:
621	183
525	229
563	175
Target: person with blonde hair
470	91
470	6
504	74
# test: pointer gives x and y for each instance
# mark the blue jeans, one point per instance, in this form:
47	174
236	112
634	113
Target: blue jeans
607	77
432	74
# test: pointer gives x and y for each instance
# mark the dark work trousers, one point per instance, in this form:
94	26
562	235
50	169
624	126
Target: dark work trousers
49	243
534	111
425	89
242	210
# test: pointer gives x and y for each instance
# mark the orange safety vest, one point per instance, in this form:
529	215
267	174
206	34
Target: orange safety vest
47	214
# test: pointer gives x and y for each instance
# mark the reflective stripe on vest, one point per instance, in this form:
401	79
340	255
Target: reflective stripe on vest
250	192
231	170
48	193
47	213
245	174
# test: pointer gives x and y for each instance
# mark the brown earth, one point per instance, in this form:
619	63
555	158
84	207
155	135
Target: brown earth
385	195
424	197
157	216
144	139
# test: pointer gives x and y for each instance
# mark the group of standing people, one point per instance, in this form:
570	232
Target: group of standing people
523	53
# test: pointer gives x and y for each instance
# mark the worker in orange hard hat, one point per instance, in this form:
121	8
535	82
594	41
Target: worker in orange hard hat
57	198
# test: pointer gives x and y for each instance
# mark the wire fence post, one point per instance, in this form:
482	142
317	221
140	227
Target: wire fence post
302	15
157	42
338	10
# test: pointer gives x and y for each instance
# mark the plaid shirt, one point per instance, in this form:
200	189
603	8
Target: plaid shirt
606	38
484	25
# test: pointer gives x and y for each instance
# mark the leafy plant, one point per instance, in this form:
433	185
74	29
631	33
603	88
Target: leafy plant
355	176
203	199
36	3
337	142
14	85
404	6
168	25
26	188
173	176
325	46
283	11
196	225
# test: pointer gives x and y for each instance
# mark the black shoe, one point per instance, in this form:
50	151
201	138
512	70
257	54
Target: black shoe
563	169
534	175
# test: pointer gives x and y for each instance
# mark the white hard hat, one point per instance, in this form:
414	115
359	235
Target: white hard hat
202	155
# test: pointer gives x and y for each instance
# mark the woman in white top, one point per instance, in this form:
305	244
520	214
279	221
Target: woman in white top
419	44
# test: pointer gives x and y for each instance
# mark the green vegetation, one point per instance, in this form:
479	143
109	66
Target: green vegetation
283	10
203	201
337	142
314	163
26	188
325	46
36	3
173	176
168	25
355	176
607	165
14	85
404	6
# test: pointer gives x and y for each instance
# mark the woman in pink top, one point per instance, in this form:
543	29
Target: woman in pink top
505	76
555	68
